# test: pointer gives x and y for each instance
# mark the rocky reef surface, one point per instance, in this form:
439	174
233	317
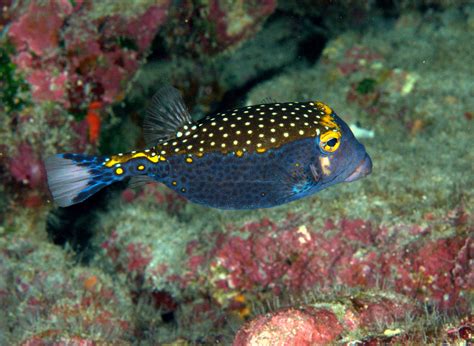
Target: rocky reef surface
385	260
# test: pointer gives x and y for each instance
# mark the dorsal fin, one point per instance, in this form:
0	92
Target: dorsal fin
268	100
166	113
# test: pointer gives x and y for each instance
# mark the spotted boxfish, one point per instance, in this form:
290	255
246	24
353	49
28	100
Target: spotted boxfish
258	156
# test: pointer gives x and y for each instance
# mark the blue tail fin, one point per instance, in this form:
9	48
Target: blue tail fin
73	178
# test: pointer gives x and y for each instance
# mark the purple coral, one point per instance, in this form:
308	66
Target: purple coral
91	59
38	28
27	168
265	255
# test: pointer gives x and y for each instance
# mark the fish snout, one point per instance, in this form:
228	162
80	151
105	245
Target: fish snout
363	168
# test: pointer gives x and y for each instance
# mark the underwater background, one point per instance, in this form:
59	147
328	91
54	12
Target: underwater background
387	259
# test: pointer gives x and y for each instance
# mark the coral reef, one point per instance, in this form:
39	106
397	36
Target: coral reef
303	326
46	298
270	258
387	260
214	26
347	317
254	261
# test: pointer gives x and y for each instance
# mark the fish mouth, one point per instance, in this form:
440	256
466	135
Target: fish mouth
363	168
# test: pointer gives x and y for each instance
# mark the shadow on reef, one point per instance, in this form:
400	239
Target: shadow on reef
72	226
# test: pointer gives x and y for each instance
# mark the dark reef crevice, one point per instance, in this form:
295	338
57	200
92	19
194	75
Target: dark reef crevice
73	226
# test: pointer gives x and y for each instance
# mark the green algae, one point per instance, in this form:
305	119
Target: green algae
13	88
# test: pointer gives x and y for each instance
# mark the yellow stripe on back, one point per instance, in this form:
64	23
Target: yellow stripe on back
123	158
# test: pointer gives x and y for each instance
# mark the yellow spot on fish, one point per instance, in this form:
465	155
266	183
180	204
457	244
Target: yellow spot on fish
239	153
189	160
261	150
141	167
174	183
119	171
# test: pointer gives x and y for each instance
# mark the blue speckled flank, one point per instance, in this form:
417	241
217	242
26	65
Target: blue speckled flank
255	180
264	179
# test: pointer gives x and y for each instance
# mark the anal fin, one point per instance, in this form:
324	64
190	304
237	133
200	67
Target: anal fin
138	181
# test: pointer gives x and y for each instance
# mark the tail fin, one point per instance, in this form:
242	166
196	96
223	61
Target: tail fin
73	178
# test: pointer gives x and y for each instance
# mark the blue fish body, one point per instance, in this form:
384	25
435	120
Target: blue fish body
253	157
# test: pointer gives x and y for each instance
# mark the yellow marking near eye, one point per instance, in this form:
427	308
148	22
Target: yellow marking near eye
141	168
327	120
119	171
325	108
325	164
114	159
327	136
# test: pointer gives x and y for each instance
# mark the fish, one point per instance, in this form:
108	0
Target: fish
258	156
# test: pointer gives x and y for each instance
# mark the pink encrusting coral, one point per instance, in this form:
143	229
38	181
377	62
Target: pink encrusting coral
327	319
303	326
369	317
430	271
291	256
38	29
94	63
27	168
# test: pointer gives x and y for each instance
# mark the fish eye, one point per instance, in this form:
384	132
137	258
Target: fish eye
332	142
329	142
